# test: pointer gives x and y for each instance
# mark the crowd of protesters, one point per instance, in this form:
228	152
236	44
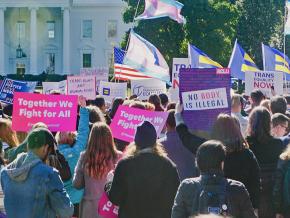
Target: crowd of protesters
240	169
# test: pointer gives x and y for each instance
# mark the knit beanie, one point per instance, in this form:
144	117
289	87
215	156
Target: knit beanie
146	135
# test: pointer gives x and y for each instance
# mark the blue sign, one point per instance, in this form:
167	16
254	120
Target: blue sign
9	86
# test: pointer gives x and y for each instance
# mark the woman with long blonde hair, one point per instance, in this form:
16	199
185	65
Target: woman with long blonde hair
93	167
7	135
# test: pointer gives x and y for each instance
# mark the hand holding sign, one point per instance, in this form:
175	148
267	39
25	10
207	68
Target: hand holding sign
178	108
82	101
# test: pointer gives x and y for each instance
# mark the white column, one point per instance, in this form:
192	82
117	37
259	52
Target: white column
2	42
33	40
66	42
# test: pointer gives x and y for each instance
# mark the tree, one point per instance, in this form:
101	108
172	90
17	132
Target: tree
261	21
211	26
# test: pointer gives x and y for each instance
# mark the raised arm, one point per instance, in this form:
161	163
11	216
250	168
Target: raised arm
189	140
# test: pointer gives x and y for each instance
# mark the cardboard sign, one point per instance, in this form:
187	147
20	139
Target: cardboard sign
82	85
47	87
146	87
205	94
110	90
127	119
264	80
58	112
9	86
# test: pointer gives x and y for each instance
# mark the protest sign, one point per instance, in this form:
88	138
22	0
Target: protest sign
178	63
264	80
146	87
127	119
110	90
9	86
47	87
205	94
82	85
101	73
58	112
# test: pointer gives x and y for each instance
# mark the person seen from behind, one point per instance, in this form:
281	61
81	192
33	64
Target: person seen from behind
212	193
93	166
145	180
32	188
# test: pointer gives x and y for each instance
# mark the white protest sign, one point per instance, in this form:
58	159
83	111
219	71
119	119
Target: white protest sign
205	99
178	63
47	87
82	85
146	87
264	80
110	90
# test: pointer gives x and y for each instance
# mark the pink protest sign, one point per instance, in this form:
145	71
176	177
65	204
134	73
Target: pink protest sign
58	112
127	119
82	85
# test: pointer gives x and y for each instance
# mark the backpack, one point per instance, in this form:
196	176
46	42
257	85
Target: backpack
286	185
213	198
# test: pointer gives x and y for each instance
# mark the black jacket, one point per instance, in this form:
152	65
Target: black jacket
278	203
241	166
267	154
186	202
144	186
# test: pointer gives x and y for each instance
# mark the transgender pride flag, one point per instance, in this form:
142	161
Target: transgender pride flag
162	8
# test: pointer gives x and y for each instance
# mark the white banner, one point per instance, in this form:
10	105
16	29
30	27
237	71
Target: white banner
110	90
264	80
47	87
205	99
146	87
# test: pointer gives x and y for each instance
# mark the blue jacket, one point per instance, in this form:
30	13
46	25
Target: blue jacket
72	153
33	189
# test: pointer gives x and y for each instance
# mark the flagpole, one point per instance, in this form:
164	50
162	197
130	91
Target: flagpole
114	64
136	11
284	39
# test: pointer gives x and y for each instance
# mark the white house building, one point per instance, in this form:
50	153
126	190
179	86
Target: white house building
58	36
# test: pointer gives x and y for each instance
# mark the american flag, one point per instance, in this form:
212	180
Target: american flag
122	71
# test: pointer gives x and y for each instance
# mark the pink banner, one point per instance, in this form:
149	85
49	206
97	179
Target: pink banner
58	112
82	85
127	119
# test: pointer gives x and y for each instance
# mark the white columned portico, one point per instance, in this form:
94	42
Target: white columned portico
2	42
66	41
33	40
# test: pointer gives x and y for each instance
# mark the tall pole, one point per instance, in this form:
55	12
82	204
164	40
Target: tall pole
284	40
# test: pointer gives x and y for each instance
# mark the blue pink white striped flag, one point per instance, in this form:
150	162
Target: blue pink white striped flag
162	8
145	57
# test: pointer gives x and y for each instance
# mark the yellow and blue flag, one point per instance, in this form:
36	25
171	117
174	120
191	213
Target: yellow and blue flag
198	59
241	62
274	60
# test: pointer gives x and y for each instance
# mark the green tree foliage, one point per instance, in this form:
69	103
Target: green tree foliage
260	21
211	26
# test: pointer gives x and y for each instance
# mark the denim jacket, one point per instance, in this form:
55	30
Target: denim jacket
34	190
72	153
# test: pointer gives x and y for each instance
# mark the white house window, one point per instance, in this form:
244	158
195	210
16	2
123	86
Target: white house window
87	60
112	28
87	29
51	29
20	29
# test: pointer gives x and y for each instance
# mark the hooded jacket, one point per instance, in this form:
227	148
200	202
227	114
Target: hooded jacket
33	189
